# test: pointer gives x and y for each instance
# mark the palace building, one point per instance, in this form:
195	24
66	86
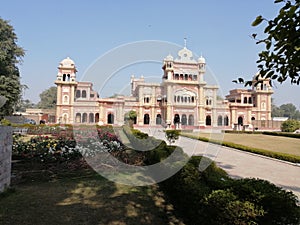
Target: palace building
182	100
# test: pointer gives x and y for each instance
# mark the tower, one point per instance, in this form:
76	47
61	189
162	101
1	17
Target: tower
183	89
261	94
66	84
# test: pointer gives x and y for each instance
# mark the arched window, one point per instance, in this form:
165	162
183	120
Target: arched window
191	120
84	118
65	118
83	94
78	93
183	119
178	98
158	119
64	77
240	121
78	118
193	98
110	118
91	118
208	120
226	121
181	76
186	77
220	120
174	98
250	100
146	119
68	77
66	99
176	119
176	76
252	118
245	100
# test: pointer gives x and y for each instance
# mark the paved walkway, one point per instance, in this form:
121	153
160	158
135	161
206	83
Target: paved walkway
241	164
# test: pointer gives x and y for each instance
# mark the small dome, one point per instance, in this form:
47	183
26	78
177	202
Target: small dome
201	60
67	63
169	58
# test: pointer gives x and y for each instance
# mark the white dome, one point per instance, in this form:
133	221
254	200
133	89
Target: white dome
169	58
201	60
67	63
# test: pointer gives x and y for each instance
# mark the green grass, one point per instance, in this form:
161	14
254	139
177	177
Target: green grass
273	146
79	196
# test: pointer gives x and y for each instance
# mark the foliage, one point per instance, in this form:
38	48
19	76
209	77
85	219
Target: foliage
23	105
10	55
224	207
279	61
5	122
45	149
290	125
130	117
172	135
217	199
48	99
286	110
283	134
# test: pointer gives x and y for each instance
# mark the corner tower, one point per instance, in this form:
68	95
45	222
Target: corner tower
66	85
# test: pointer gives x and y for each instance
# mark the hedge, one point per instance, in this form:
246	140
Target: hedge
276	155
284	134
211	197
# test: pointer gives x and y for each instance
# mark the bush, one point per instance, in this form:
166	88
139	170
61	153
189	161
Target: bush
284	134
290	125
5	122
172	135
210	197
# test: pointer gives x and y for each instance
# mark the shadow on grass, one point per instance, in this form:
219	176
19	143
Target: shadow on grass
81	196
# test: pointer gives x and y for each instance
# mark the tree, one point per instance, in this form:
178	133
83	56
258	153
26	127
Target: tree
279	61
10	56
48	98
290	125
286	110
130	118
23	105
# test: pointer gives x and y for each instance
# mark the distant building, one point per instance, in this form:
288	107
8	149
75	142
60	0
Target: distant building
183	99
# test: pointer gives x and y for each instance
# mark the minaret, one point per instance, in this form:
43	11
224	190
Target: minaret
261	94
66	85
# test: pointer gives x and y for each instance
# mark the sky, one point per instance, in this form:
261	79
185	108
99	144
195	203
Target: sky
220	31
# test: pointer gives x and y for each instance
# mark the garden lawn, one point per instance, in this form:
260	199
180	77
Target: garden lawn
260	141
80	196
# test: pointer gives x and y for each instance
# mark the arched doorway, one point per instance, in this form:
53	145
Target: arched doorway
97	117
91	118
176	119
226	121
84	118
240	120
146	119
110	118
191	120
158	119
208	120
78	118
183	119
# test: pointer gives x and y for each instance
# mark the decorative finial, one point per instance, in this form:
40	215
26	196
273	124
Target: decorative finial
185	42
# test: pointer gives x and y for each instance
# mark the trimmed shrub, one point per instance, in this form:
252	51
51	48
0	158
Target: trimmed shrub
290	125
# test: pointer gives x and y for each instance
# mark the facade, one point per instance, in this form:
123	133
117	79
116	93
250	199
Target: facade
182	100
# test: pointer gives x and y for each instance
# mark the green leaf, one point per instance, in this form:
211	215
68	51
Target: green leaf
257	21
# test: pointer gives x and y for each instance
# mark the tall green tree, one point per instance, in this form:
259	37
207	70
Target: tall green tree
10	56
48	98
279	61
